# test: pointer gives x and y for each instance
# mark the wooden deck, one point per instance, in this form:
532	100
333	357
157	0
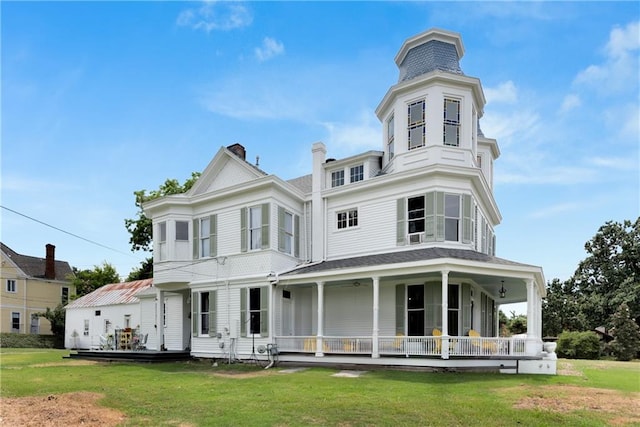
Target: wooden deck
131	356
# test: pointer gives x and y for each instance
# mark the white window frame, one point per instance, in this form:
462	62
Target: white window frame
337	178
288	232
204	231
415	125
356	173
162	241
347	219
204	309
12	287
85	331
252	311
451	123
449	218
34	327
416	219
255	228
15	315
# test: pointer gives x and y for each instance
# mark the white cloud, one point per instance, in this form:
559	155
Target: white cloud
554	210
616	163
505	93
270	48
347	139
570	102
619	71
213	15
506	127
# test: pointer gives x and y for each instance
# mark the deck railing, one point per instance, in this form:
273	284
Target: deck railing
405	345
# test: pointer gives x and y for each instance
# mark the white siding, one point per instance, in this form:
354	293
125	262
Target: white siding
148	321
229	175
348	310
114	313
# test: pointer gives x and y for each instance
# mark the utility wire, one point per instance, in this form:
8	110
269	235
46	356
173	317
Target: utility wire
69	233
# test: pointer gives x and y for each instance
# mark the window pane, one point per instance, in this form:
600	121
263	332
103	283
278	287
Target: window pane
453	297
416	137
415	323
205	227
390	129
163	231
182	230
451	229
452	205
451	110
416	112
451	135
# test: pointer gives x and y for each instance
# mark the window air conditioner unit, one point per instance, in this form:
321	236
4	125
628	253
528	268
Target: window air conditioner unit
415	238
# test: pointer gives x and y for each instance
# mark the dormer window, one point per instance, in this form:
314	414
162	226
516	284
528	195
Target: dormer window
451	129
337	178
416	125
356	173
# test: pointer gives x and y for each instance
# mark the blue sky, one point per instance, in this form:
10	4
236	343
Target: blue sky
100	99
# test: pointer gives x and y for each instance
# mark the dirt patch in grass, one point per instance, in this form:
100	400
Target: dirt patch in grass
69	409
69	363
241	374
620	409
567	368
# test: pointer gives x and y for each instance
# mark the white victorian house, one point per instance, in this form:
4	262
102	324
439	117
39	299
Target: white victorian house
386	257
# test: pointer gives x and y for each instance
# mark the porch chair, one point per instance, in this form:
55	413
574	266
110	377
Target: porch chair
142	343
437	333
475	343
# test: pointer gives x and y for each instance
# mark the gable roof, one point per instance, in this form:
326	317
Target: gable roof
112	294
35	267
218	164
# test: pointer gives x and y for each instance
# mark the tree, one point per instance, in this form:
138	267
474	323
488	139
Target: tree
610	275
626	331
145	271
517	324
140	227
87	281
560	310
57	319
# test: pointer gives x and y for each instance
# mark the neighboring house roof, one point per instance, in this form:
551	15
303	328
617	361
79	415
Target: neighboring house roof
302	183
112	294
35	267
401	257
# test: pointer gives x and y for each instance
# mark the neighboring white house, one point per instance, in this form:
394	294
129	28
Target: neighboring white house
104	311
386	257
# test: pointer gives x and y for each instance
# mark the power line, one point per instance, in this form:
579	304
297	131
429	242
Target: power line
68	232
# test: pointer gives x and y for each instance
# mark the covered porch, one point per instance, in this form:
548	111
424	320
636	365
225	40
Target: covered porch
412	307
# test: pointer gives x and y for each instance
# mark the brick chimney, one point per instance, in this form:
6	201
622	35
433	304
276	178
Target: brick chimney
238	150
50	262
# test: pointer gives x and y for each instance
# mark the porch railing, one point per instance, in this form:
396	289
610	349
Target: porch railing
405	345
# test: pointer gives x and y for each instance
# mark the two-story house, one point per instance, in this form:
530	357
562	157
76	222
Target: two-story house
386	257
30	285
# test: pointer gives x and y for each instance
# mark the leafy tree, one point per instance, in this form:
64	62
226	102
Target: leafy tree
57	319
145	271
626	331
87	281
140	227
517	324
610	275
560	310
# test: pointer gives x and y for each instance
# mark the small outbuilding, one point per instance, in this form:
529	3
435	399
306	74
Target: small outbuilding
106	316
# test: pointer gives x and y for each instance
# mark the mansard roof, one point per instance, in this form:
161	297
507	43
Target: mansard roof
424	254
432	50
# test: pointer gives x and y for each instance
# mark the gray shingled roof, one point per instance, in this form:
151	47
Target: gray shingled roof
34	266
431	56
414	255
302	183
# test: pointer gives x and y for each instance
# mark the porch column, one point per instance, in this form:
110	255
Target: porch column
320	333
376	314
445	314
532	339
160	320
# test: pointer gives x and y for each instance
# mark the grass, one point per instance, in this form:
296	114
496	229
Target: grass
197	394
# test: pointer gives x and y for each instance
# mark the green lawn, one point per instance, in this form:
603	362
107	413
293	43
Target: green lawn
197	394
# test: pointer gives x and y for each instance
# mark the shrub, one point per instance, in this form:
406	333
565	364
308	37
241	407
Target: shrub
9	340
578	345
